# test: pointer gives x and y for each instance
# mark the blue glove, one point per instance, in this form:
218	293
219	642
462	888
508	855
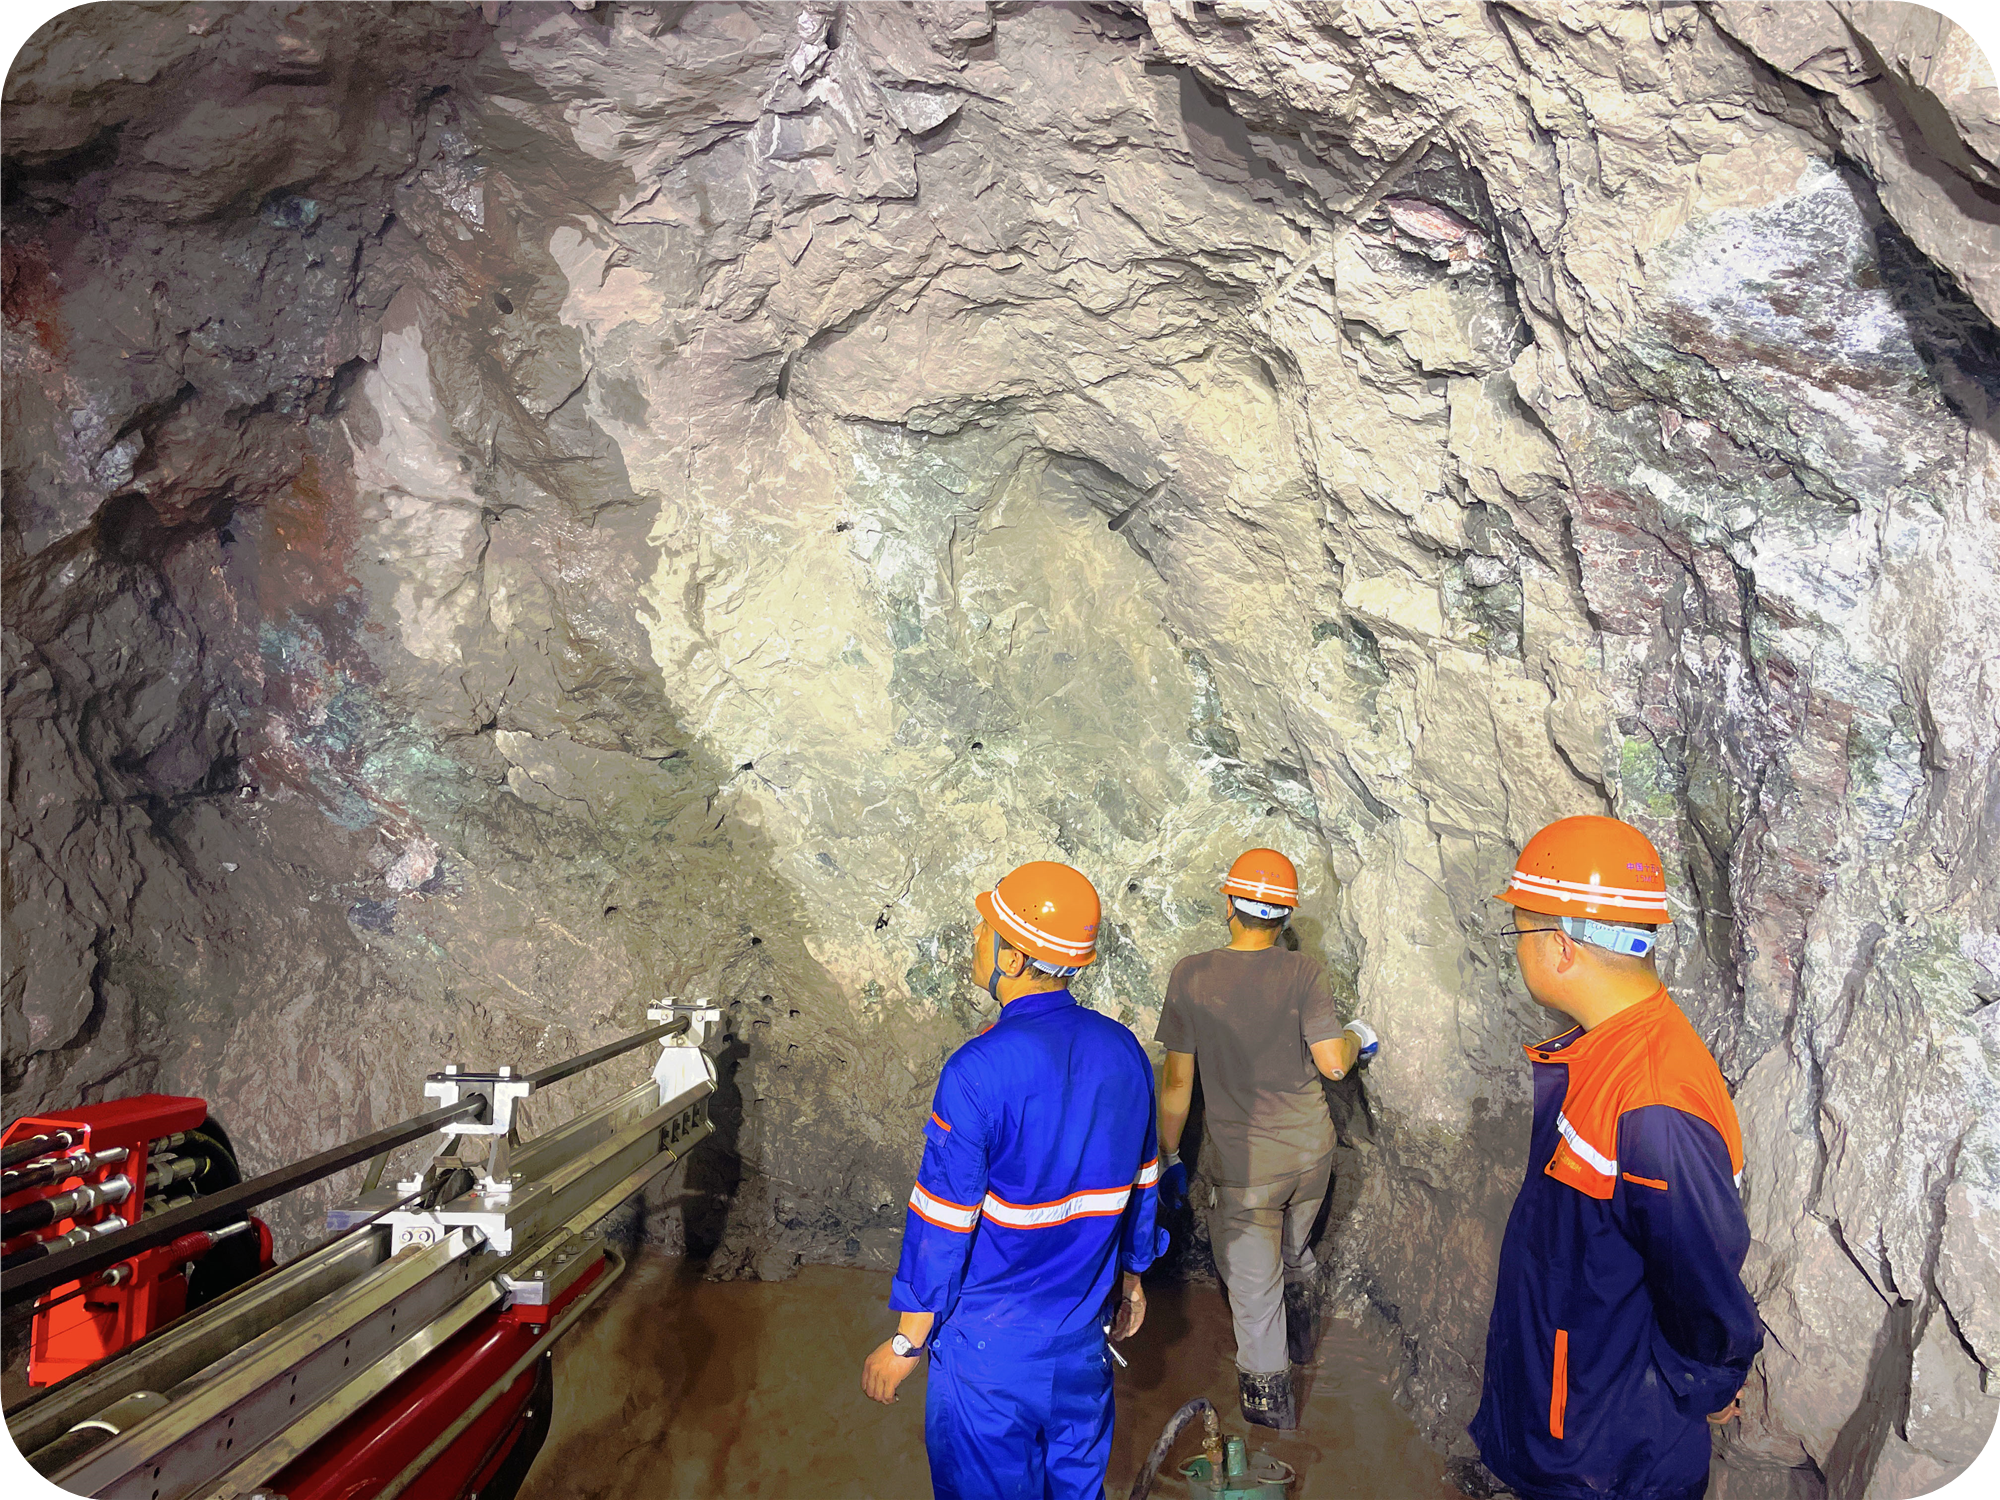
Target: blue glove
1173	1187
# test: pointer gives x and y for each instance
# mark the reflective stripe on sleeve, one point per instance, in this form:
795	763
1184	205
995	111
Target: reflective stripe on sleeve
942	1212
1089	1204
1148	1174
1588	1153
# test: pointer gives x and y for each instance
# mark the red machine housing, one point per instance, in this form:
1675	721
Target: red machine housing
75	1326
373	1446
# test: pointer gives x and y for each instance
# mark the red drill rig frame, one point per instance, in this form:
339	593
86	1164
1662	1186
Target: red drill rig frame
407	1354
113	1163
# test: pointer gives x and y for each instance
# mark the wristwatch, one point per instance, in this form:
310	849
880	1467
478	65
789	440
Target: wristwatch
902	1348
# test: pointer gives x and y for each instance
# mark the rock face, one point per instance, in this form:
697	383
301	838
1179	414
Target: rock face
512	512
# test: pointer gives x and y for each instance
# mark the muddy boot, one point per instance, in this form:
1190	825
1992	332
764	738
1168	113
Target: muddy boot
1301	1323
1267	1399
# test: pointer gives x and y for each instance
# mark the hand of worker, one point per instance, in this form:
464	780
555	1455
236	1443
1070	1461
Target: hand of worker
1730	1412
884	1370
1173	1183
1131	1309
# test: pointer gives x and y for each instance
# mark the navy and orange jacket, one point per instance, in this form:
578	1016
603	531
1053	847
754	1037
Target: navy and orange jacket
1038	1181
1619	1321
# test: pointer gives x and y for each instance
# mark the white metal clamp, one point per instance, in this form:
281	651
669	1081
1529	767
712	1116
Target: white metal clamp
683	1063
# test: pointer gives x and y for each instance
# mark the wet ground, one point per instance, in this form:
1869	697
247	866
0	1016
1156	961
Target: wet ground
678	1387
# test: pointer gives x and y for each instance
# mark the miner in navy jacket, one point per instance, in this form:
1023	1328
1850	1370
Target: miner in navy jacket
1033	1210
1621	1329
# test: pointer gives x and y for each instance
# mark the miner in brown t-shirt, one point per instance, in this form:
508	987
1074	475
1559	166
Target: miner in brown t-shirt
1259	1020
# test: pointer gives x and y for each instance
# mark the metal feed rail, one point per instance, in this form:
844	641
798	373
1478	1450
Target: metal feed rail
222	1400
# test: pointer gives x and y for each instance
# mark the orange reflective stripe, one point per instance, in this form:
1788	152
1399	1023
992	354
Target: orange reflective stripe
1651	1182
938	1122
1559	1384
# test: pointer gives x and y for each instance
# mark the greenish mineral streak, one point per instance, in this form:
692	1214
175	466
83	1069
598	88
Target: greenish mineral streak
1645	778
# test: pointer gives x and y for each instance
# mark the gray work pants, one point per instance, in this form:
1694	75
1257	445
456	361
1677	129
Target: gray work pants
1259	1238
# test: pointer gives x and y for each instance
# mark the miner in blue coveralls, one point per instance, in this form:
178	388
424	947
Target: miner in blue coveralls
1032	1211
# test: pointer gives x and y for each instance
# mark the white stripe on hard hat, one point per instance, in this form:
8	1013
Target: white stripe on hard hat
1063	945
1263	887
1543	885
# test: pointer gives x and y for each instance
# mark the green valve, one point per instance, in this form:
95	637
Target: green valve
1245	1475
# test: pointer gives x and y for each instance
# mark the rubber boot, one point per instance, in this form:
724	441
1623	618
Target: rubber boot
1267	1399
1301	1323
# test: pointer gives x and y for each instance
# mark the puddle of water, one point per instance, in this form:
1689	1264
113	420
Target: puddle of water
678	1387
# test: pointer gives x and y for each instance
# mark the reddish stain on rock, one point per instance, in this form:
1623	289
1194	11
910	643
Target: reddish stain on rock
312	531
31	297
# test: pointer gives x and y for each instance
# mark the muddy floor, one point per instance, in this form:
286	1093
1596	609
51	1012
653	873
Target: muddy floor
679	1387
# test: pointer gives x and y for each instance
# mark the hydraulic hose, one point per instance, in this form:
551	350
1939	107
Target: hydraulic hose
56	1168
16	1152
1211	1442
36	1250
45	1211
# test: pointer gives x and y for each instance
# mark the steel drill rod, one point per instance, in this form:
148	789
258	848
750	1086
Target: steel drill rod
558	1071
217	1208
16	1152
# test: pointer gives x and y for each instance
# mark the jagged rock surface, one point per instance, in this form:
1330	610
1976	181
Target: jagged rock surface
512	512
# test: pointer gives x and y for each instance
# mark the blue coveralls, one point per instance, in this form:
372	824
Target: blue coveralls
1038	1185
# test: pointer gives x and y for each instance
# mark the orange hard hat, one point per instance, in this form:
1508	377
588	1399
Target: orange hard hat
1047	911
1590	867
1263	875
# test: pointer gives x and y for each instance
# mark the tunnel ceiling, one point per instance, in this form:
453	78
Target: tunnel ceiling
512	511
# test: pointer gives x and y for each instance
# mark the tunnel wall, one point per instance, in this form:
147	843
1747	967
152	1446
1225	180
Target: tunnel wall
514	511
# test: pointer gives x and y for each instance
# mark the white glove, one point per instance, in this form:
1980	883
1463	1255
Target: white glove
1365	1035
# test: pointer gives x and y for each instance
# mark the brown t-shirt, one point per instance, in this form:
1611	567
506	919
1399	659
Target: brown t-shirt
1249	1019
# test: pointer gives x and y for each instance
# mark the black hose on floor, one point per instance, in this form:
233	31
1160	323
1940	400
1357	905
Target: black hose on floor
1176	1424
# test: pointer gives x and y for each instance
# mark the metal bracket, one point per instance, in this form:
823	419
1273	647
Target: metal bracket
682	1063
505	1095
552	1273
502	1090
